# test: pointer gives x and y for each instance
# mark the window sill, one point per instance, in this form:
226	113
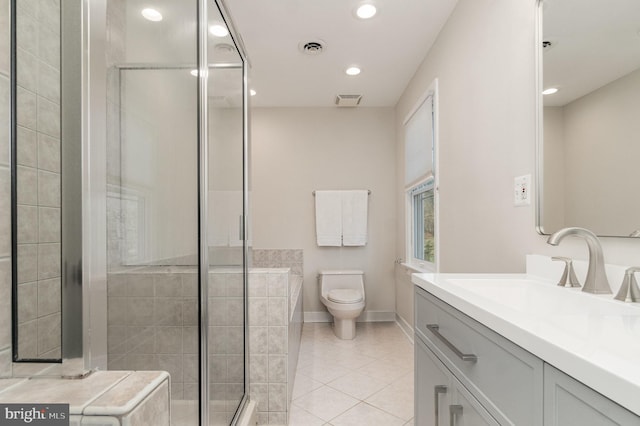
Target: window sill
412	267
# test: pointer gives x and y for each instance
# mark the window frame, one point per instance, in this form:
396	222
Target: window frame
425	183
413	229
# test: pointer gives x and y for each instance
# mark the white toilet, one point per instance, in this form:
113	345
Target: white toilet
342	292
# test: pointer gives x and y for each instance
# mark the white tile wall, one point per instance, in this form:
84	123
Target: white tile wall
39	187
273	341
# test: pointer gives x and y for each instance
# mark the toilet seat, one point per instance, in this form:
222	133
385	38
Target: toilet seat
344	295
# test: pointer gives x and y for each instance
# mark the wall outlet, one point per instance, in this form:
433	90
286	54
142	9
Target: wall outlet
522	190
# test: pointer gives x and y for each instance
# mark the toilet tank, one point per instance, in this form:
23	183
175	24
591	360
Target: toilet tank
334	279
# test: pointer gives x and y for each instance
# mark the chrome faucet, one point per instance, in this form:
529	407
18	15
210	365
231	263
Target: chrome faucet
629	290
596	281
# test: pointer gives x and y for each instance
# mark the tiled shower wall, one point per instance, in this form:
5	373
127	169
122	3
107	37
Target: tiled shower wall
5	194
153	325
38	170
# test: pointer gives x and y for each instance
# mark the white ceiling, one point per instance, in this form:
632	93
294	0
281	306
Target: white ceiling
596	42
388	48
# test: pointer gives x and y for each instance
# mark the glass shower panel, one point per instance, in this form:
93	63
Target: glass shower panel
225	224
152	195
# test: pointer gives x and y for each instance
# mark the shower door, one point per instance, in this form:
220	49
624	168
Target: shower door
176	203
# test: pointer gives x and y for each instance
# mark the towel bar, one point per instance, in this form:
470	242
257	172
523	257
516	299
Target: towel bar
314	192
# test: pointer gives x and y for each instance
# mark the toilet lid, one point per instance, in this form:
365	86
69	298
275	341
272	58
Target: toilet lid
344	295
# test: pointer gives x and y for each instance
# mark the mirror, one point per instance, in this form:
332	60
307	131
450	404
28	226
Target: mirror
587	144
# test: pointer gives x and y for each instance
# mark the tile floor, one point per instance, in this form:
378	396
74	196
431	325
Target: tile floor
365	381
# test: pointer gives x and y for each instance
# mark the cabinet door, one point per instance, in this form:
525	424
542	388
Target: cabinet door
466	410
432	383
568	402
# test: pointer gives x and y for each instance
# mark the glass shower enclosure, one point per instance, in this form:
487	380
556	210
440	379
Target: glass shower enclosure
172	76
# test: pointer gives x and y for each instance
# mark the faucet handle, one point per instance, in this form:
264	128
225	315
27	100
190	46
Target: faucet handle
629	291
568	278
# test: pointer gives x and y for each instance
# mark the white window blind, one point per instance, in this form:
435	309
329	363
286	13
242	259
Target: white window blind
418	143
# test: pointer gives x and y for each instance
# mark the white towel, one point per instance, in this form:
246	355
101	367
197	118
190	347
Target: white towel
329	218
354	217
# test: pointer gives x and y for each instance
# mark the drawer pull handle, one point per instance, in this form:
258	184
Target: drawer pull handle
454	411
434	328
437	390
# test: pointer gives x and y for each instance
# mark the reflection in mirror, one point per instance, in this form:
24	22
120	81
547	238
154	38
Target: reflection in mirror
37	165
588	150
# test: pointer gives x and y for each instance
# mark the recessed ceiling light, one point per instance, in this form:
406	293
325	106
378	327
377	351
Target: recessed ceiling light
252	92
550	91
366	11
194	73
219	30
353	71
152	14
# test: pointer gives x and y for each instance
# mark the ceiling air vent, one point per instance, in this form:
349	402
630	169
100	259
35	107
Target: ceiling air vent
312	47
348	100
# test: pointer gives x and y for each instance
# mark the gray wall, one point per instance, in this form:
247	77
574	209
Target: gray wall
298	150
602	150
5	194
484	60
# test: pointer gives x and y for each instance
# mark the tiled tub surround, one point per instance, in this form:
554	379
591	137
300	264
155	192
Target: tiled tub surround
153	324
279	258
275	328
103	398
38	174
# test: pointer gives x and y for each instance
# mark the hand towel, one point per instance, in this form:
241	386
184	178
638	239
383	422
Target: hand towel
354	217
329	218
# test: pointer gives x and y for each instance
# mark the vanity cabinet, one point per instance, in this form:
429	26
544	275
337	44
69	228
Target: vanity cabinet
568	402
503	378
460	363
440	399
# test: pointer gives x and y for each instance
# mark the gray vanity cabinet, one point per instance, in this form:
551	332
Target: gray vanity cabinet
494	381
568	402
505	379
440	399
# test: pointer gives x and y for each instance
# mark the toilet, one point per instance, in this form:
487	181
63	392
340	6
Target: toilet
342	292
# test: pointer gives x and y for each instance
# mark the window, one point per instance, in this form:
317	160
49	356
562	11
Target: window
420	184
423	221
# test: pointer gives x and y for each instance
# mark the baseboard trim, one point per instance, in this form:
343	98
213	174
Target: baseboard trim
405	327
366	316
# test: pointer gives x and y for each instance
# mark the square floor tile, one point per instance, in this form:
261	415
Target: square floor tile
358	385
326	403
365	414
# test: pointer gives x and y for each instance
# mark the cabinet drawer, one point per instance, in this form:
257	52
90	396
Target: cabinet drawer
506	378
440	396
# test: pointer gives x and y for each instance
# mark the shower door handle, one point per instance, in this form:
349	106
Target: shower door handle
240	228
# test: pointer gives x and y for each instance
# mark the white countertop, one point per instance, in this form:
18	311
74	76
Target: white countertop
594	339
